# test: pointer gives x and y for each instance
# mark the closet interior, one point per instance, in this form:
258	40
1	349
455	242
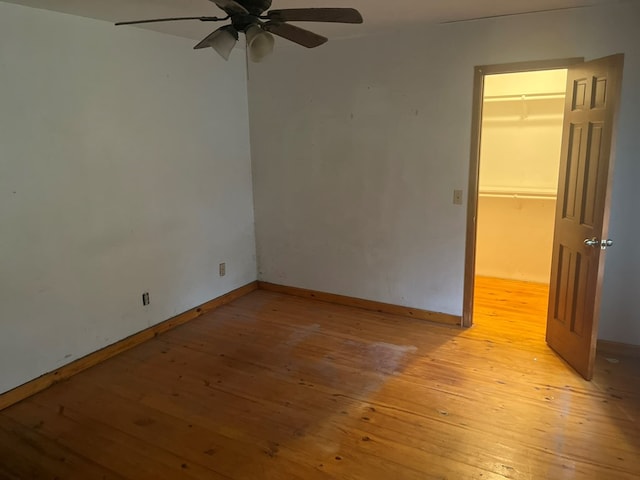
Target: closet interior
519	162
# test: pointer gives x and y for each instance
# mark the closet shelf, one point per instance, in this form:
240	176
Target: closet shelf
548	118
524	97
527	194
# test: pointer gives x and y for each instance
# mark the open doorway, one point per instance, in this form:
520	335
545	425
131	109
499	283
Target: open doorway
580	233
521	138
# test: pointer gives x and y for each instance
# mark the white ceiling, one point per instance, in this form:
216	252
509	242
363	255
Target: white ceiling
378	14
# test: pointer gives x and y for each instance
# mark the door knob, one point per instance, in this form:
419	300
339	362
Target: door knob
591	242
594	242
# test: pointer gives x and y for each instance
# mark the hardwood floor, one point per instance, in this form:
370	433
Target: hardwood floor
279	387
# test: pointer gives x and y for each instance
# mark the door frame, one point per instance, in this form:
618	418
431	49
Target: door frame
474	163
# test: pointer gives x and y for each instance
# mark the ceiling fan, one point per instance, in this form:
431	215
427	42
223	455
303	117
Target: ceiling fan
252	18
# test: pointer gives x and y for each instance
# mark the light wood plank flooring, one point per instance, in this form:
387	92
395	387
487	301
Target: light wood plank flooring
279	387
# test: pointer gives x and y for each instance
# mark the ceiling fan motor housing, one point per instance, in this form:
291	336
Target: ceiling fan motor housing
242	21
255	7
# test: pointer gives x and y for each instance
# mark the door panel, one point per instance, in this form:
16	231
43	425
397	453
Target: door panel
582	212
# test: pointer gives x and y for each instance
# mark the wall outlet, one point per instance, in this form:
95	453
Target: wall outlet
145	298
457	197
222	269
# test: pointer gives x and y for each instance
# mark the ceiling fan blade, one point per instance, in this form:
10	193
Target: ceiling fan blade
171	19
295	34
337	15
209	39
230	6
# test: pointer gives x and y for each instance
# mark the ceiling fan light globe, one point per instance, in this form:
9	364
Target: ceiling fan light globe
259	43
223	43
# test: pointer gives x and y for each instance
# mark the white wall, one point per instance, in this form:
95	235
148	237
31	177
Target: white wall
358	145
124	168
514	239
522	137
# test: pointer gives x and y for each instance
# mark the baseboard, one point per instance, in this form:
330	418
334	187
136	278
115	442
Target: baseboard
606	347
34	386
443	318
